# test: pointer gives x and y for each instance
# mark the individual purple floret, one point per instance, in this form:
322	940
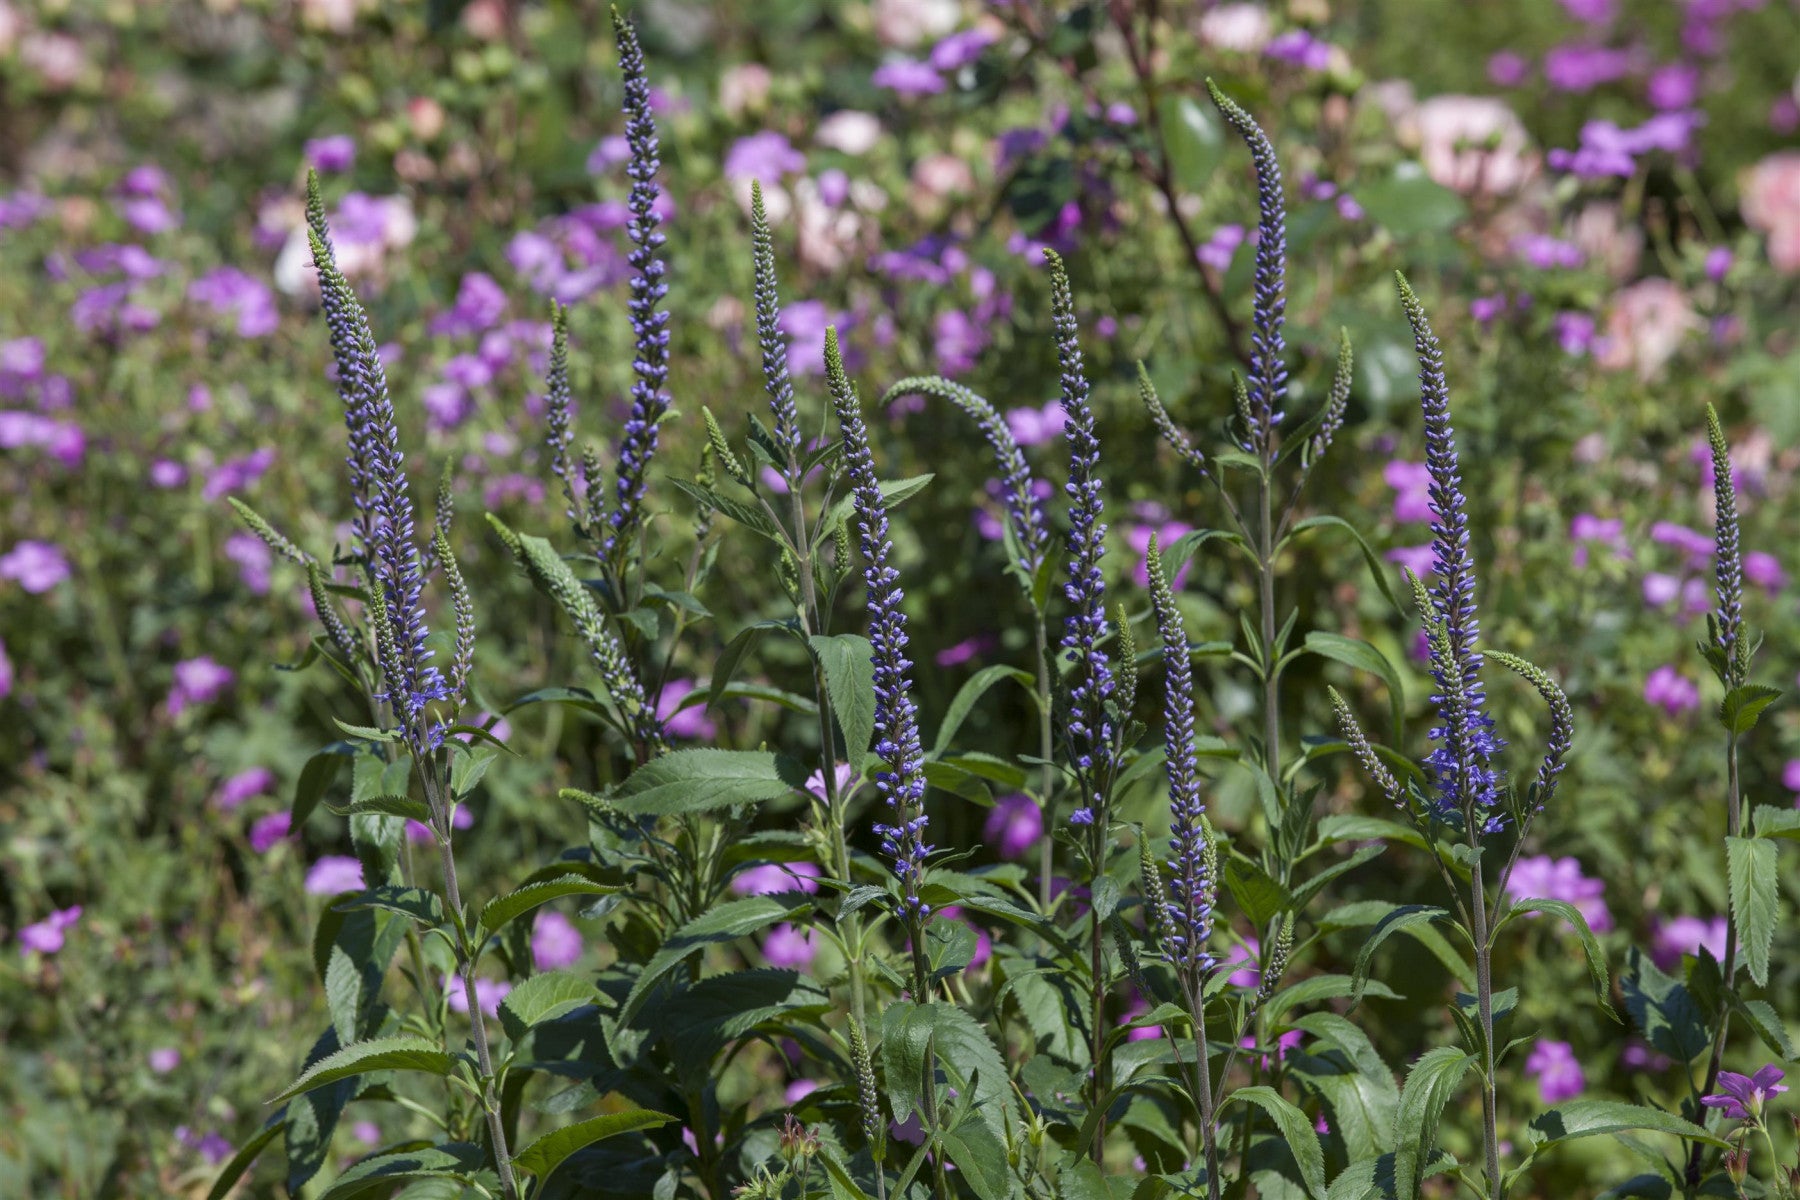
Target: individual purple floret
902	785
649	323
379	486
1461	764
1089	729
1192	890
1268	370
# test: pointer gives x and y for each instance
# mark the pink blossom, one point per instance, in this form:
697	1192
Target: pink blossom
1771	205
46	936
197	681
1674	692
1036	426
1244	955
35	566
266	831
1417	559
1660	589
1412	487
1686	935
1645	326
1472	144
555	942
679	721
768	879
164	1059
799	1090
846	780
1558	1072
1764	570
333	874
419	833
1013	825
240	787
1541	877
488	993
787	947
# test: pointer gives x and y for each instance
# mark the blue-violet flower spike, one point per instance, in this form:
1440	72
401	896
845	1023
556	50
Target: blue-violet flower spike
649	322
1090	731
1461	766
1268	368
902	784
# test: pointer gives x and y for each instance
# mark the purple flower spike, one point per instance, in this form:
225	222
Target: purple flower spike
1090	730
902	785
1268	371
1466	782
1743	1096
649	322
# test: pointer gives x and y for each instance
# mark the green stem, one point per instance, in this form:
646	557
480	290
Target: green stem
1046	747
1484	995
1734	818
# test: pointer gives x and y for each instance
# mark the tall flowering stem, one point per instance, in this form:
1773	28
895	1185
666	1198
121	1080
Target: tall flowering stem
1466	783
902	784
1268	368
649	321
1729	652
394	567
1186	917
382	496
1090	730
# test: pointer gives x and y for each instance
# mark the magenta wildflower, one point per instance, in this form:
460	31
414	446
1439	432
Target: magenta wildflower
908	77
1544	878
266	831
197	681
1671	690
1686	935
1013	825
1558	1071
46	936
35	566
764	157
330	155
240	787
770	879
555	942
333	874
164	1059
788	948
488	993
679	720
1742	1096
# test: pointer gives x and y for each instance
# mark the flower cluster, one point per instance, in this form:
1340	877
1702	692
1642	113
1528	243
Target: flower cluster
1466	782
902	785
1089	728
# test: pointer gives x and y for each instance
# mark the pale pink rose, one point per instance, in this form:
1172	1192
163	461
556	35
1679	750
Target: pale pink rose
743	89
11	25
849	132
1771	205
336	15
1607	241
485	20
906	23
1244	28
1646	325
826	236
940	175
57	58
1472	144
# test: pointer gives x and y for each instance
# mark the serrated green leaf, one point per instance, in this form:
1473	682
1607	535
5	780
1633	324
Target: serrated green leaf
377	1054
895	491
1590	946
1296	1130
1755	900
1771	822
1405	918
378	1173
690	781
501	909
725	923
980	1158
547	1153
847	660
1430	1083
1588	1118
1743	706
542	997
1767	1025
